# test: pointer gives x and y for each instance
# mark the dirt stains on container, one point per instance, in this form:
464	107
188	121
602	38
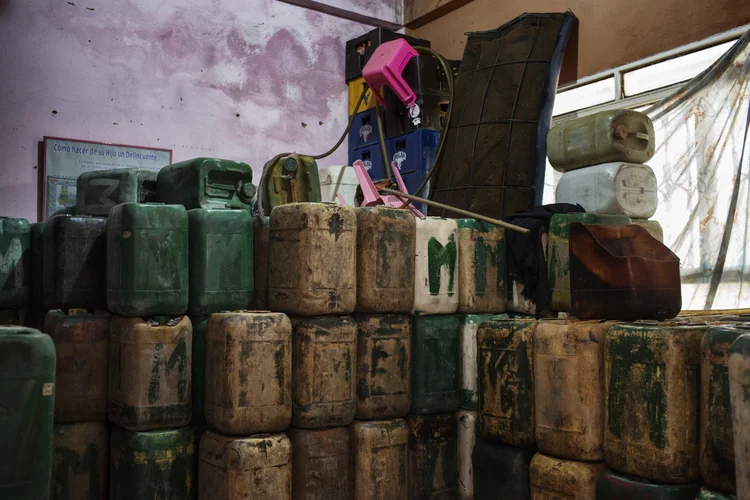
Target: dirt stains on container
436	266
15	271
80	466
739	392
433	456
555	478
380	451
481	267
435	368
322	464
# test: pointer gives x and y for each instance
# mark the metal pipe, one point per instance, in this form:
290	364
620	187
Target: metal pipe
431	203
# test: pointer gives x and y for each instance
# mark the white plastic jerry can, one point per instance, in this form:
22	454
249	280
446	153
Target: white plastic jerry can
611	188
436	266
338	180
467	433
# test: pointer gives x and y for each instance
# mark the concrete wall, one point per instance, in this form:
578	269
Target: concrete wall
237	79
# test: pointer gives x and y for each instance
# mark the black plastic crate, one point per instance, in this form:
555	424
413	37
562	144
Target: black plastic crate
359	50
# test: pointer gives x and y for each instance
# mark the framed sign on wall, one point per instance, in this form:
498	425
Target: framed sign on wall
66	159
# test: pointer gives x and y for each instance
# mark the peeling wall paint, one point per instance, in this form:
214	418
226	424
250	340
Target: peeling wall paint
236	79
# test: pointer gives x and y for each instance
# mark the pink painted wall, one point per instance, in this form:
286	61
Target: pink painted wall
232	79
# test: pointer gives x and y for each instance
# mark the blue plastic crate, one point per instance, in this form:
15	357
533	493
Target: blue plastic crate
364	130
414	154
372	157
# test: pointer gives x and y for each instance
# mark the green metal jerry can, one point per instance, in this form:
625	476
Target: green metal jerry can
100	190
206	183
15	270
290	179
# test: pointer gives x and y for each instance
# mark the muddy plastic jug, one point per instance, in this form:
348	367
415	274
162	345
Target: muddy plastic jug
241	347
615	188
313	259
148	465
506	385
555	478
338	180
436	266
98	191
558	255
434	364
15	272
198	376
467	434
739	392
322	464
380	446
206	183
433	456
290	179
27	388
481	267
383	366
150	368
606	136
221	260
614	486
652	376
386	241
467	353
501	471
716	440
74	262
147	260
324	367
262	234
37	265
80	463
82	346
569	389
258	466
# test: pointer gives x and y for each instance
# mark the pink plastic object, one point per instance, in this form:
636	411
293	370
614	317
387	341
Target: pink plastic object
385	67
371	195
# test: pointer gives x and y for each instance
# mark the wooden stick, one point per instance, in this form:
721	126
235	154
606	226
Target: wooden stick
431	203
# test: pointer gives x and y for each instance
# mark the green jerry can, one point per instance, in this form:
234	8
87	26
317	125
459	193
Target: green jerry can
206	183
506	384
716	439
652	384
558	256
100	190
27	389
198	382
37	266
80	465
152	465
74	264
15	271
501	471
706	494
739	392
434	364
614	486
221	260
481	267
607	136
261	237
147	260
10	317
433	456
289	179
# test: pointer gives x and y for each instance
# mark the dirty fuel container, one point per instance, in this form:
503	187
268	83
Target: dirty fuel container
15	273
558	255
606	136
150	368
555	478
248	372
322	464
97	191
386	240
614	486
27	388
261	236
716	440
569	389
80	466
74	263
147	260
289	179
380	449
436	266
652	377
258	466
467	354
434	364
324	367
433	456
501	471
481	267
221	260
739	391
82	346
149	465
383	366
198	376
506	385
37	265
206	183
313	259
467	435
